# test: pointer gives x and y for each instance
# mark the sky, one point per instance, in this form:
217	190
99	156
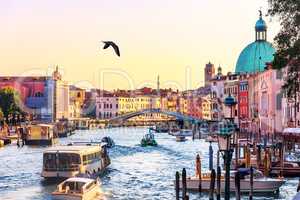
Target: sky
170	38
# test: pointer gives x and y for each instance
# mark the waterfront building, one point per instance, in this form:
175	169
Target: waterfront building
183	104
206	107
77	99
268	94
171	102
194	103
61	96
44	98
107	107
231	87
243	103
217	95
110	106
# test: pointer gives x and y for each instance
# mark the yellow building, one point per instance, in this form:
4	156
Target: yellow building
206	107
77	98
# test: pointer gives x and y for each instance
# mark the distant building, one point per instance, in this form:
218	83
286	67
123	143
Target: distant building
110	106
209	73
231	87
243	103
44	98
77	99
206	107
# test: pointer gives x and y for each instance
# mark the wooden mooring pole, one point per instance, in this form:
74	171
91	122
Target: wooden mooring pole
237	186
219	183
211	154
184	189
177	185
212	184
251	184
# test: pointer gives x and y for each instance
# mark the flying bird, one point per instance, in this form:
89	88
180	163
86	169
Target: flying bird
113	45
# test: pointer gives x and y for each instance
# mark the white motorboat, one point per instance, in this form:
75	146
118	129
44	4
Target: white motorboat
183	132
261	184
180	138
77	189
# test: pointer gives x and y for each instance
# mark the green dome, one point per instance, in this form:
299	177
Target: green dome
260	25
255	56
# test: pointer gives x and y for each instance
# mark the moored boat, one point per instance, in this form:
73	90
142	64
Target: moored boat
261	184
77	189
41	134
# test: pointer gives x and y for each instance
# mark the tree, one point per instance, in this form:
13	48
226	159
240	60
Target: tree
1	115
9	103
287	42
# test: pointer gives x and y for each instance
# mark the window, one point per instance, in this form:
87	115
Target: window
279	74
38	94
279	101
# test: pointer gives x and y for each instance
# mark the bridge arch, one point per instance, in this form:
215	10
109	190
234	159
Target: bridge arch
177	115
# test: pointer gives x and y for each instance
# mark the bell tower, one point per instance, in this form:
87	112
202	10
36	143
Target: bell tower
260	29
209	73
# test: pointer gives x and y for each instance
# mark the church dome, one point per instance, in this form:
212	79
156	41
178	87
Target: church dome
254	57
260	25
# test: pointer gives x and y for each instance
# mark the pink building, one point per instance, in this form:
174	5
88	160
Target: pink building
267	101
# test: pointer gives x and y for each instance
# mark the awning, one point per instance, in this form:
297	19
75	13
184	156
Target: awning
291	134
291	131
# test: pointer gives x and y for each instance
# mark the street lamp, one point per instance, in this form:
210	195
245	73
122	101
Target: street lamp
230	102
226	129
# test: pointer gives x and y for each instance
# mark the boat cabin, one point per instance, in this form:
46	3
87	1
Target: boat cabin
72	160
77	189
41	134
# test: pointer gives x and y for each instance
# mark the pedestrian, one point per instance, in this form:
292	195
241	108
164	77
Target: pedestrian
18	138
23	135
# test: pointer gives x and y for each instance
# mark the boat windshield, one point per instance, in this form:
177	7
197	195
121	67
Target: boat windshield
61	161
245	173
73	186
149	136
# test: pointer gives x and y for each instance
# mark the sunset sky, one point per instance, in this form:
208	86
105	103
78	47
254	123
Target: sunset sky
172	38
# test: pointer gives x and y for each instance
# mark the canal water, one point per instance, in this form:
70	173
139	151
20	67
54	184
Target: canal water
135	173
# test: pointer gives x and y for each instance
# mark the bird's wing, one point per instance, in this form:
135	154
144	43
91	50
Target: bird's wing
106	45
116	48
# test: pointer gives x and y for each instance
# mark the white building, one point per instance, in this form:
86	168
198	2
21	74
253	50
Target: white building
112	106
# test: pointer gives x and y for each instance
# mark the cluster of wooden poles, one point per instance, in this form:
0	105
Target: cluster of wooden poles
215	180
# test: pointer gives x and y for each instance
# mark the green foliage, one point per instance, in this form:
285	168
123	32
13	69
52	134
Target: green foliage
287	42
1	115
9	102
